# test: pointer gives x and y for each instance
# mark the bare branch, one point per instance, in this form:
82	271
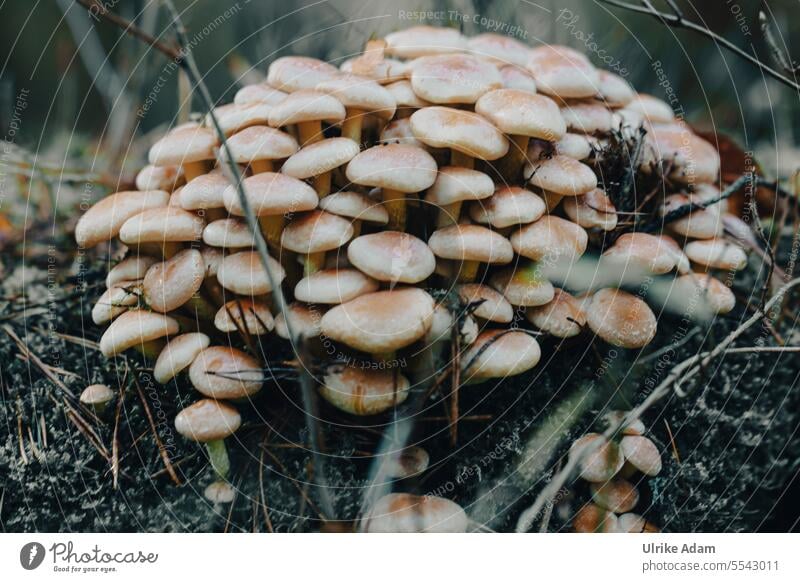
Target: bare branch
783	59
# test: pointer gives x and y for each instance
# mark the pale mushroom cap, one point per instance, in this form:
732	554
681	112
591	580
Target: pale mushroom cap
116	300
178	355
642	251
234	117
562	175
592	518
360	93
617	495
602	463
392	256
621	319
306	105
651	108
184	145
375	67
244	274
171	283
292	74
515	78
562	72
303	319
399	131
406	463
363	392
551	238
103	221
219	492
135	327
228	233
212	258
508	206
96	394
716	254
270	194
259	93
499	353
453	79
592	210
575	145
400	167
171	224
222	372
588	117
500	48
131	268
248	315
469	242
702	223
405	513
492	305
519	112
442	327
563	317
694	160
681	260
404	95
523	285
165	178
419	41
315	232
381	322
207	420
640	452
456	184
334	286
260	143
320	157
204	192
464	131
635	523
713	292
613	90
356	206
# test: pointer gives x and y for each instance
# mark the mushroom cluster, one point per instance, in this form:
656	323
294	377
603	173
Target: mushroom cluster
425	185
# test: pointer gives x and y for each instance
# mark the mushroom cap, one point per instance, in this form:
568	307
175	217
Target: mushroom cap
563	72
293	74
518	112
244	274
617	495
315	232
574	145
452	79
588	117
165	178
703	223
713	292
550	238
419	41
404	95
562	175
320	157
640	452
592	518
207	420
464	131
634	427
356	206
693	159
115	300
246	315
400	167
170	224
405	463
406	513
500	48
132	268
270	194
492	306
260	143
223	372
362	391
171	283
184	145
372	65
456	184
470	242
613	90
592	210
523	285
653	109
178	355
204	192
334	286
361	93
621	319
508	206
381	322
681	260
304	320
635	523
103	221
96	394
642	251
228	233
219	492
212	258
515	78
399	131
304	106
498	353
563	317
716	254
135	327
259	93
442	327
603	462
234	117
393	256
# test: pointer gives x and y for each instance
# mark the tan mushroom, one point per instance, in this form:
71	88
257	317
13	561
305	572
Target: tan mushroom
319	159
191	147
621	319
453	79
174	282
640	452
714	294
292	74
562	317
334	286
550	239
136	328
419	41
499	353
359	208
600	459
162	227
259	93
561	175
592	518
210	422
243	273
508	206
223	373
523	285
716	254
641	251
562	72
617	495
103	221
178	355
307	109
259	147
592	210
486	303
405	513
363	392
246	316
97	397
166	178
313	234
361	97
470	245
116	300
499	48
234	117
391	256
453	186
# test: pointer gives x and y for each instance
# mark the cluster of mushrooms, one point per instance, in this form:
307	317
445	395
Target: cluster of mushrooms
421	186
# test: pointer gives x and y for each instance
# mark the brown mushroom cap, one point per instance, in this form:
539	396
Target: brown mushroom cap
713	292
617	495
621	319
501	49
103	221
245	315
306	105
320	157
491	305
222	372
204	192
363	392
165	178
592	518
292	74
96	394
562	175
405	463
270	194
184	145
452	79
178	354
588	117
170	284
499	353
463	131
419	41
260	143
562	72
392	256
613	90
131	268
550	238
692	158
702	223
518	112
456	184
207	420
259	93
405	513
562	317
592	210
523	285
228	233
642	251
469	242
508	206
400	167
356	206
716	254
315	232
603	462
171	224
334	286
361	93
303	319
135	327
635	523
244	274
381	322
234	117
116	300
640	452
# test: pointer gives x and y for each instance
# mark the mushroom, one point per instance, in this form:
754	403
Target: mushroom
617	495
219	492
391	256
235	117
514	77
293	74
189	146
319	159
592	210
702	223
592	518
634	427
419	41
508	206
561	175
405	513
259	93
103	221
178	355
405	463
692	159
136	328
229	233
499	353
166	178
204	196
716	254
486	303
550	239
131	268
640	250
652	109
374	65
499	48
313	234
453	186
716	296
164	227
602	462
523	285
116	300
247	316
587	117
334	286
640	452
259	147
405	99
562	317
223	373
363	392
307	109
613	90
360	96
304	320
635	523
97	397
357	207
562	72
453	79
175	282
243	273
621	319
210	422
471	245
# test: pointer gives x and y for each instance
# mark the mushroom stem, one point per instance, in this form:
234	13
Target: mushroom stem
271	228
212	214
193	169
510	166
200	307
351	127
461	159
151	349
218	455
356	228
313	263
468	272
214	290
396	207
261	166
322	184
165	250
448	215
309	132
